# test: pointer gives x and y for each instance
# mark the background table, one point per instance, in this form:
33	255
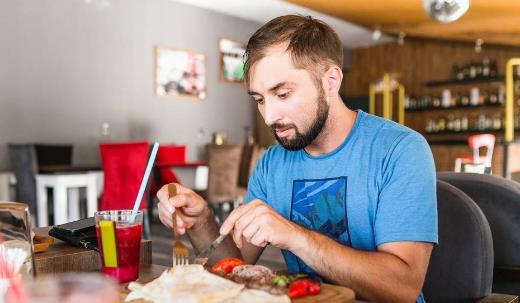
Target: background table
65	182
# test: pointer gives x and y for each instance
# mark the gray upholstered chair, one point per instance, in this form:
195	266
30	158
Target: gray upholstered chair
24	166
499	200
461	265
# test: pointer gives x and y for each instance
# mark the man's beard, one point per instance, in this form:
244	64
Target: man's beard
302	140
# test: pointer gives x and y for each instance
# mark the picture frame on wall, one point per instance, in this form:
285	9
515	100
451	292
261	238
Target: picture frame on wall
231	60
180	73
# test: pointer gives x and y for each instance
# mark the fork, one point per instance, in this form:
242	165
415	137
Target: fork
179	250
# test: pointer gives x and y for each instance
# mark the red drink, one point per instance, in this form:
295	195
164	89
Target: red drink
128	244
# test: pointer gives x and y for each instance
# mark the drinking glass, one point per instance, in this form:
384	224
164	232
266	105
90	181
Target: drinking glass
119	241
72	288
16	250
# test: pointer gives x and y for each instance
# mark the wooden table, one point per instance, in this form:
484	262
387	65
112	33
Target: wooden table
62	257
329	293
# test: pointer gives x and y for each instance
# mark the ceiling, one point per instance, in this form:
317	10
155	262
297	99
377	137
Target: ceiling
261	11
494	21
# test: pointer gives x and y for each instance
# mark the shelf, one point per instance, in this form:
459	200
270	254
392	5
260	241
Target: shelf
473	131
496	79
430	108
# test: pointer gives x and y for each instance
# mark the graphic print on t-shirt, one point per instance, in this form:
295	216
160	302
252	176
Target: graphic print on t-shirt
321	205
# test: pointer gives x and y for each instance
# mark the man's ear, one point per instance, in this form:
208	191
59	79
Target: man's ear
333	77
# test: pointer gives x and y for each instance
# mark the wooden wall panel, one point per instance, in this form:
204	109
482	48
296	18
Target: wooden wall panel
417	61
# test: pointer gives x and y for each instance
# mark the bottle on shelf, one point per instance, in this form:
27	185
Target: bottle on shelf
501	95
492	98
465	71
497	121
472	70
437	102
456	72
446	98
457	126
479	67
481	122
464	100
493	69
485	67
474	96
464	123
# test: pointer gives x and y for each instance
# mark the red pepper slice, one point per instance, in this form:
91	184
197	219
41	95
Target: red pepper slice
303	287
226	265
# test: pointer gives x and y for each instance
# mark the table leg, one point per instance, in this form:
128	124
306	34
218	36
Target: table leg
92	195
41	203
60	204
73	203
201	177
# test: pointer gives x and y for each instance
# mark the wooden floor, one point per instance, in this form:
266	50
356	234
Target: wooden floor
162	249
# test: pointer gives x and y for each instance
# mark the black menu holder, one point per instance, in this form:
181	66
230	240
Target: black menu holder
81	233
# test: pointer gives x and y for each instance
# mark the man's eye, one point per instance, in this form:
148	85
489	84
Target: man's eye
258	100
284	95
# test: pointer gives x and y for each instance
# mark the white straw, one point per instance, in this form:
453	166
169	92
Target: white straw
144	181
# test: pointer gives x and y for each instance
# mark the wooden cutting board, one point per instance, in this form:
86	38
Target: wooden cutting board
329	293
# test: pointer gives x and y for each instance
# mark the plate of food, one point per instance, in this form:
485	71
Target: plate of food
228	281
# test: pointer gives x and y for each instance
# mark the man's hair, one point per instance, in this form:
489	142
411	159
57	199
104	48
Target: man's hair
312	44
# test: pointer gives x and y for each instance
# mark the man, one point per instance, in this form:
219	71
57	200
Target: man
346	195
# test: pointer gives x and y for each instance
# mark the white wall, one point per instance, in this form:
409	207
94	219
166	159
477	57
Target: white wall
66	66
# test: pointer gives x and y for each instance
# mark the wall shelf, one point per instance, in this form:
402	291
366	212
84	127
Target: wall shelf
430	108
497	79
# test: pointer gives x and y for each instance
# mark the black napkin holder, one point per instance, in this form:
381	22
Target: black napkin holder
81	233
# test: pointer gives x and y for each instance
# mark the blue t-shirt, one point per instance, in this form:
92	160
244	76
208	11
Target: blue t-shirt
379	186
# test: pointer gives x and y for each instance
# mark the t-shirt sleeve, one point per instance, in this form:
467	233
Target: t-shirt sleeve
407	205
256	185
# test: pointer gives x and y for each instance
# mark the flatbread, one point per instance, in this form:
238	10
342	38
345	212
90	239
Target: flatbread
187	284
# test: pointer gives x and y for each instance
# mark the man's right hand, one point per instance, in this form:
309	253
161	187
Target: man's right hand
192	207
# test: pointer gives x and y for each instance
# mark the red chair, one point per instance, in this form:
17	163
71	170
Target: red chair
123	168
477	162
167	154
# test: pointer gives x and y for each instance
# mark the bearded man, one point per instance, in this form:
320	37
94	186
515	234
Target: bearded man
346	195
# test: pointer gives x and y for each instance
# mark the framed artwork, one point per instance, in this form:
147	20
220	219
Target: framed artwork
180	73
231	60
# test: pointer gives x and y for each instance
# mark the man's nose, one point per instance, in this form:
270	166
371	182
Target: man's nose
271	113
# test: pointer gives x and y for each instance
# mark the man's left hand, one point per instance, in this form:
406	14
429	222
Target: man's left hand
260	225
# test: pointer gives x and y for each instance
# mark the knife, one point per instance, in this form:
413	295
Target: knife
203	257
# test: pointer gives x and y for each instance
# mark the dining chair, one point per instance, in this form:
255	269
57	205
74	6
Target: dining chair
461	265
223	173
123	168
54	154
165	174
499	199
250	155
22	158
477	162
166	154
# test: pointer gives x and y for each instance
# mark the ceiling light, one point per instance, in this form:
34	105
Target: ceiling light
376	34
445	11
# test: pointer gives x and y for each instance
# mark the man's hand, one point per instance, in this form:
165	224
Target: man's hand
192	207
260	225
